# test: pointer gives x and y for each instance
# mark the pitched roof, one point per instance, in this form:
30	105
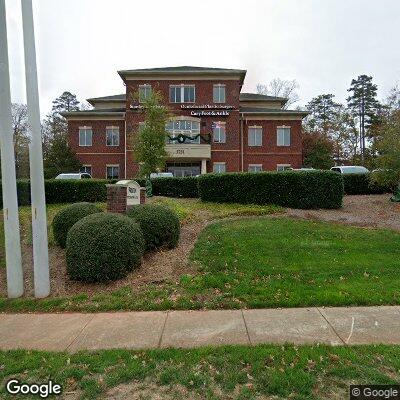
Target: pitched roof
115	97
184	70
268	111
95	112
260	97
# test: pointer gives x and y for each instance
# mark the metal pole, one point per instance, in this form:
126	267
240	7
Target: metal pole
15	282
39	220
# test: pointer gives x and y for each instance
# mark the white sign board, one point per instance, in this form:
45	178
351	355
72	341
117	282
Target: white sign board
132	192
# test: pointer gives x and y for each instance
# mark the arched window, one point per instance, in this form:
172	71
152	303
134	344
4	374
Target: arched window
187	127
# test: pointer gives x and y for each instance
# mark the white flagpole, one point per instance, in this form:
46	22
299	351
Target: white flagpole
39	220
15	283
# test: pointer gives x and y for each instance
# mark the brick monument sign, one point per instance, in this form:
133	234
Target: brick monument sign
124	194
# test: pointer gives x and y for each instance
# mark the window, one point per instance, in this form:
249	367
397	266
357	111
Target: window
86	169
219	135
182	94
112	136
255	167
255	136
144	92
283	167
219	93
112	171
185	127
283	136
219	167
85	136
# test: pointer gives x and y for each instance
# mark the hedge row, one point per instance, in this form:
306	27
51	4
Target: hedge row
64	191
307	189
175	187
362	184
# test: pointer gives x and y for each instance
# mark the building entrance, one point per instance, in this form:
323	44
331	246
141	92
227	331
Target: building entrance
184	169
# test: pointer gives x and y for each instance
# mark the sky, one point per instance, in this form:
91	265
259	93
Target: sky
322	44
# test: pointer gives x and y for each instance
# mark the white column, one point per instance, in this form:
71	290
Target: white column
203	166
39	220
15	283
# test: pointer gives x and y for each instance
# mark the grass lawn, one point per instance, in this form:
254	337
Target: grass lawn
236	372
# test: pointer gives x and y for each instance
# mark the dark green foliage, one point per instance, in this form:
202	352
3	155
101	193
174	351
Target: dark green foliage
175	187
159	224
67	217
64	191
307	189
362	184
103	247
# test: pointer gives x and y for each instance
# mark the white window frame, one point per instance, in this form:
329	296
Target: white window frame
255	166
219	132
112	166
85	129
282	143
179	129
283	167
112	128
258	128
217	97
219	164
182	93
147	92
83	169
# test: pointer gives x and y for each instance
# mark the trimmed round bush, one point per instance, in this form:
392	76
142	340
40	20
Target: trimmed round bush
67	217
159	224
103	247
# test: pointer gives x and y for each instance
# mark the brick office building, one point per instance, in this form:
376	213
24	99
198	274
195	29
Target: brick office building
214	127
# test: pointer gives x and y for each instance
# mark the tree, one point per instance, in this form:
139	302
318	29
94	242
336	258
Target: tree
388	147
21	139
149	146
363	104
392	102
58	156
317	151
323	114
281	88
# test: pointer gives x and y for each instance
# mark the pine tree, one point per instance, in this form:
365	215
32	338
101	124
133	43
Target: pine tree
323	114
58	156
363	104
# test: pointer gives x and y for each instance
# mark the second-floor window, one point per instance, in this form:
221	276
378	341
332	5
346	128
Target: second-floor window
219	93
182	93
183	127
255	136
112	136
144	92
219	135
85	136
283	136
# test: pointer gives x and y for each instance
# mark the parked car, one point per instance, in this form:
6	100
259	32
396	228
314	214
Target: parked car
78	175
350	169
161	175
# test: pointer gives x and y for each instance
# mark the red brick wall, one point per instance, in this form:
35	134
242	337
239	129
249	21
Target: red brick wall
98	155
269	154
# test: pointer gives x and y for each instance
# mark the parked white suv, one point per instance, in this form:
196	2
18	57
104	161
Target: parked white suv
350	169
78	175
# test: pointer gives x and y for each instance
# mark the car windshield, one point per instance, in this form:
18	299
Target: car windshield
354	170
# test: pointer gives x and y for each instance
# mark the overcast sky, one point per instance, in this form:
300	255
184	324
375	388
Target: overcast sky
322	44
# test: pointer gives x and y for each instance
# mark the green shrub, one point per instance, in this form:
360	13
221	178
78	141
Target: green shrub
175	187
67	217
103	247
300	189
159	224
362	184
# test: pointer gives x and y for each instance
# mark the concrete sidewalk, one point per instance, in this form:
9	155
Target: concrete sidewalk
143	330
